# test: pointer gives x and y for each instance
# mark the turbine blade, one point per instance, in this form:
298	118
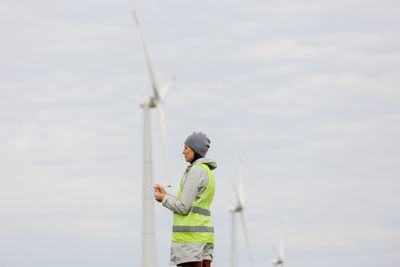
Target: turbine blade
153	80
165	88
276	251
281	241
241	196
246	236
160	109
235	190
238	189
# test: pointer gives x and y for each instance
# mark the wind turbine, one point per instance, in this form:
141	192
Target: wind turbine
154	101
279	260
238	208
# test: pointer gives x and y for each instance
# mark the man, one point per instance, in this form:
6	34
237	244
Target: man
192	231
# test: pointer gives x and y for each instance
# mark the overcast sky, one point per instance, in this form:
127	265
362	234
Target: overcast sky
305	92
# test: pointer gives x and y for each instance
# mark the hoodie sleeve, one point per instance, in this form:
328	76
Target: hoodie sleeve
192	188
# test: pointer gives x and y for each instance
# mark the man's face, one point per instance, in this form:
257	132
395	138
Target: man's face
189	153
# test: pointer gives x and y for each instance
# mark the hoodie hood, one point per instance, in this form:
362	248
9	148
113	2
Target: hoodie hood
211	164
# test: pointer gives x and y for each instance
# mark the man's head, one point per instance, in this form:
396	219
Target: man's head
196	142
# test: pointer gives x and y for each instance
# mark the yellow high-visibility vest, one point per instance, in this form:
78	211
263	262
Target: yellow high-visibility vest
196	226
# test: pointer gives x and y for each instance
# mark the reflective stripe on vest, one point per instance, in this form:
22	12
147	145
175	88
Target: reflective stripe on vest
193	229
200	210
196	226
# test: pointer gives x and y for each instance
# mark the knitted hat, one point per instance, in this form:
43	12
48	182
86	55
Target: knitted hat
199	142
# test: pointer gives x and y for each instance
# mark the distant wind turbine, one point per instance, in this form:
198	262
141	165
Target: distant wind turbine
238	208
154	101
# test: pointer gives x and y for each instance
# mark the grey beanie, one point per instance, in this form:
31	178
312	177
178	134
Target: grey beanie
199	142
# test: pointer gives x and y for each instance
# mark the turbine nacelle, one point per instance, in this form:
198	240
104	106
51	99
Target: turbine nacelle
150	102
235	209
147	102
277	261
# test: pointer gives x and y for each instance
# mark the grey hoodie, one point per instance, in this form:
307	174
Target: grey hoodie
193	186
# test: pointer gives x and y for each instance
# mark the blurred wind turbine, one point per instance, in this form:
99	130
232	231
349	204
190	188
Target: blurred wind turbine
279	260
155	101
238	208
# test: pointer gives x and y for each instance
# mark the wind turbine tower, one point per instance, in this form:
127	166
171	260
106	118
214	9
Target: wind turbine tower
154	101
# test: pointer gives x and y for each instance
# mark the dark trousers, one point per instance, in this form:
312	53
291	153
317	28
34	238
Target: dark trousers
204	263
